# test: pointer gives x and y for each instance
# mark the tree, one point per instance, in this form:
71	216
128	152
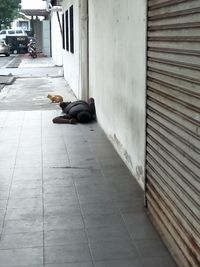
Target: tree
8	11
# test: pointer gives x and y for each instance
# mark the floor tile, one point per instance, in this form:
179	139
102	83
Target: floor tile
3	203
136	219
142	232
22	184
63	222
30	265
115	170
65	182
21	257
6	176
2	214
49	174
24	213
87	163
60	189
27	173
94	189
21	240
121	180
25	203
130	206
99	208
158	262
28	162
110	233
25	192
113	250
67	209
8	162
119	263
55	162
95	197
90	180
66	191
34	152
60	199
75	264
68	253
151	248
139	226
97	220
21	226
4	194
62	237
86	172
129	196
24	153
5	173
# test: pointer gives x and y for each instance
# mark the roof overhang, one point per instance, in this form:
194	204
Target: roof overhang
35	12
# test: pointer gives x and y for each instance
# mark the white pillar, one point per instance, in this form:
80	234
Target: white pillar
84	69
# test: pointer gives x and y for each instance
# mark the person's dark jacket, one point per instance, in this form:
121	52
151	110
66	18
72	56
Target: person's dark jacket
81	110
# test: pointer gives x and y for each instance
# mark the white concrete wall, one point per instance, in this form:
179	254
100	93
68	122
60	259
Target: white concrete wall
71	62
117	66
46	37
37	25
56	39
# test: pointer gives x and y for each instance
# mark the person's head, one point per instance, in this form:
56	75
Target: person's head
63	105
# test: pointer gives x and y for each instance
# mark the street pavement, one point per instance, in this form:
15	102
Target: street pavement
6	80
5	60
27	87
31	93
29	67
66	197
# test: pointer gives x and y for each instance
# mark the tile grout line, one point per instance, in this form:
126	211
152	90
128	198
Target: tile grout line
99	165
41	134
21	127
79	204
117	206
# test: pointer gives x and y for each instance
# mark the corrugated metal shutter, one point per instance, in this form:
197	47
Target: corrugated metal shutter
173	125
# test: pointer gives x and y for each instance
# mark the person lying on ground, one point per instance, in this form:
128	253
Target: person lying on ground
77	111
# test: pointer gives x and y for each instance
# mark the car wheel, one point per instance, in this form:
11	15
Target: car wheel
7	55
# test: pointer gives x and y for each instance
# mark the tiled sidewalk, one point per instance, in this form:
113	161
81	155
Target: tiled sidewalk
67	199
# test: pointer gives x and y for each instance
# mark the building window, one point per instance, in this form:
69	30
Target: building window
67	29
63	32
71	31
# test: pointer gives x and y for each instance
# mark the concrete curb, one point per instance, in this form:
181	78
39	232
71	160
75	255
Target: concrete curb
7	79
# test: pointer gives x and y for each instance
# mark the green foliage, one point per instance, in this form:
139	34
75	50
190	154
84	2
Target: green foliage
8	11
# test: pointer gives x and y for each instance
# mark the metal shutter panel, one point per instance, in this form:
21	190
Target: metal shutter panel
173	125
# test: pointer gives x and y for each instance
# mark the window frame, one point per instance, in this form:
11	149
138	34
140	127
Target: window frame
67	29
71	28
63	31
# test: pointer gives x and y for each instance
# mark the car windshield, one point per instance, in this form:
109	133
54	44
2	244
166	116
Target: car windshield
19	31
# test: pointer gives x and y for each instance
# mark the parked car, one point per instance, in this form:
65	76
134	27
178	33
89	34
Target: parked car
12	32
18	44
4	48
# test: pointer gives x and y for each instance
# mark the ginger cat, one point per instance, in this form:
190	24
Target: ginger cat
55	98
